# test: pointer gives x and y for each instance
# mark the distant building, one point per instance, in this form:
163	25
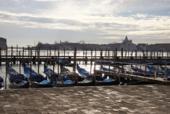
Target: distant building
128	45
3	43
142	47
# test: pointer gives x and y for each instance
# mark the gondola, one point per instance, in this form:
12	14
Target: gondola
100	80
67	81
61	80
51	74
16	79
104	80
84	77
66	77
154	70
138	71
37	80
166	71
82	72
1	82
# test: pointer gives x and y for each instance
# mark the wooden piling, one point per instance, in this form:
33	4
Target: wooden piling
91	62
20	62
7	64
121	53
115	53
64	53
101	54
75	55
86	58
58	60
0	56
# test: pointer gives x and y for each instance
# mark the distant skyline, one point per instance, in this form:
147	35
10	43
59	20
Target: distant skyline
26	22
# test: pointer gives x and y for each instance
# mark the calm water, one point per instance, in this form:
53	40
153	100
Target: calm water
136	99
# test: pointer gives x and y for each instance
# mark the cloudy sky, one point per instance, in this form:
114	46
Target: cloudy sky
26	22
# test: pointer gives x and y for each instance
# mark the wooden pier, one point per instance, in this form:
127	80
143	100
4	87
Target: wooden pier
20	55
28	54
116	75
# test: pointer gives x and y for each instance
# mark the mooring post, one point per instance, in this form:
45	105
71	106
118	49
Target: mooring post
157	54
126	53
12	57
119	81
86	57
58	60
7	64
31	57
150	54
131	56
165	76
94	75
47	53
91	62
23	51
17	55
64	53
146	53
95	54
11	51
116	53
50	51
75	54
143	52
109	54
121	53
154	54
31	53
20	62
105	53
55	52
39	61
0	56
101	54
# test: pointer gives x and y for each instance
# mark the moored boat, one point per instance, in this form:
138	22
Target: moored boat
51	75
105	80
166	71
141	72
16	79
84	77
37	80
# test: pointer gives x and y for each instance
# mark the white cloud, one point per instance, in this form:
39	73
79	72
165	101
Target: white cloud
104	17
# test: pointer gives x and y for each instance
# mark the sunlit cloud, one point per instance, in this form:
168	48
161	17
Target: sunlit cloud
106	19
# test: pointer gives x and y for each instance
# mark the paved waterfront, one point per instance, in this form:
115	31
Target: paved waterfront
138	99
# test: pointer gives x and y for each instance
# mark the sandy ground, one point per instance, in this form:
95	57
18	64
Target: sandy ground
137	99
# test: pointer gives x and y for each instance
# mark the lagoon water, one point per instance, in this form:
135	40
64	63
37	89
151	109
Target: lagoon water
131	99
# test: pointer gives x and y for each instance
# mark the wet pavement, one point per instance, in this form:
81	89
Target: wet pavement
131	99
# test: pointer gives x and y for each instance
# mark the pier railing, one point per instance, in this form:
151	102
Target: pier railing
29	54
